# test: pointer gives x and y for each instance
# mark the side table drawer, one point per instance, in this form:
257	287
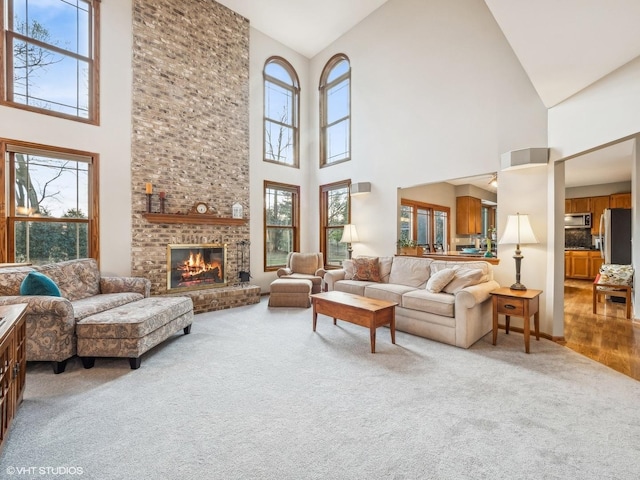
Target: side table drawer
511	306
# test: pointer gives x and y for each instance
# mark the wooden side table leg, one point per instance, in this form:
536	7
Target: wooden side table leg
507	321
495	319
527	326
536	324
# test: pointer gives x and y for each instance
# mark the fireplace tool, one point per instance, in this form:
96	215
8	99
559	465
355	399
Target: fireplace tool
243	274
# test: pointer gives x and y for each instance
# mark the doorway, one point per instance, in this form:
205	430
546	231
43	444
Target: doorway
595	181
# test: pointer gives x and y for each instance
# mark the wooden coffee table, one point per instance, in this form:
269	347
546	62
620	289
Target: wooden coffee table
363	311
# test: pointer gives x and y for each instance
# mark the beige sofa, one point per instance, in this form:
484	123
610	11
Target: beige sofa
51	321
459	314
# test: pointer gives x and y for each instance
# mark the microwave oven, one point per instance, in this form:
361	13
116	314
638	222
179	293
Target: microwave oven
577	220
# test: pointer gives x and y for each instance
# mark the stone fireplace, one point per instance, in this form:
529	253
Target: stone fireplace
196	266
190	140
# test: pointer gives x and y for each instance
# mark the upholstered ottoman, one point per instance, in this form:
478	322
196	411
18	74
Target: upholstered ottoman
290	293
132	329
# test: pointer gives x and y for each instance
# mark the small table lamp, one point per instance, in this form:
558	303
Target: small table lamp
518	231
349	235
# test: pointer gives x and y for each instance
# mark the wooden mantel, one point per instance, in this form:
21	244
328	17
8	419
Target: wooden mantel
193	219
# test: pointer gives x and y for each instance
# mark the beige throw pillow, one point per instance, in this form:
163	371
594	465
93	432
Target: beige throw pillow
464	277
439	280
348	267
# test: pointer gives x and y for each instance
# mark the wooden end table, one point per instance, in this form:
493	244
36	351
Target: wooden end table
517	303
363	311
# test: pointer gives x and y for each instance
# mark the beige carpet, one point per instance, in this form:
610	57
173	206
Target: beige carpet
254	393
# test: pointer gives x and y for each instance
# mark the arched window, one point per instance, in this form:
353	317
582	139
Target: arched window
335	111
281	112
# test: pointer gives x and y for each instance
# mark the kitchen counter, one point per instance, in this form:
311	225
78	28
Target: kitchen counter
459	256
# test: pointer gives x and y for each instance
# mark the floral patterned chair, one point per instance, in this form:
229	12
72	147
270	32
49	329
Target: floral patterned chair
615	281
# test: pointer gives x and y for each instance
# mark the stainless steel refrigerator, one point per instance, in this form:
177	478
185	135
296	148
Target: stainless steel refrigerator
615	236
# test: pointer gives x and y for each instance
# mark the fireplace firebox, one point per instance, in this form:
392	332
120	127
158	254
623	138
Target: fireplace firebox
196	266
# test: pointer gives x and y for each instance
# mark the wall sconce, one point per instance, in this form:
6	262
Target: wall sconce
349	235
360	188
518	231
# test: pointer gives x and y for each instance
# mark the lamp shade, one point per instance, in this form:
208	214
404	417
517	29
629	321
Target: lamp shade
518	230
349	234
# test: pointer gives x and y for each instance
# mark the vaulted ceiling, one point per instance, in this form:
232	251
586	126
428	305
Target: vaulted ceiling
563	45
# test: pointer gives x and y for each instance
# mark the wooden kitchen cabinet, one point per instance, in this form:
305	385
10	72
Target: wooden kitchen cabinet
577	205
598	205
595	262
579	264
468	215
620	200
582	264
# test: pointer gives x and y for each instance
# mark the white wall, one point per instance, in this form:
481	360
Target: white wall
607	111
111	140
437	94
261	47
604	112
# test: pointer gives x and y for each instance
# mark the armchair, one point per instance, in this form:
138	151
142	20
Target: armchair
308	266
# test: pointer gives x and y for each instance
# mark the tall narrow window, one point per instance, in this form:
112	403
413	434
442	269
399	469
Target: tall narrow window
51	62
281	112
53	213
281	223
426	224
335	111
335	213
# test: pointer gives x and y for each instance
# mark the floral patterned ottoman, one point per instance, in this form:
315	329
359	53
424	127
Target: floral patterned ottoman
132	329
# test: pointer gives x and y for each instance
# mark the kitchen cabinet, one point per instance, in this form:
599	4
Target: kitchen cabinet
620	200
598	205
468	215
595	262
582	264
577	205
579	264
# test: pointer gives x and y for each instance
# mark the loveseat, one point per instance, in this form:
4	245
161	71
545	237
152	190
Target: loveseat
51	320
446	301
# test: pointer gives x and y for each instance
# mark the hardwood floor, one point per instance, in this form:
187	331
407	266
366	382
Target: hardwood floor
607	337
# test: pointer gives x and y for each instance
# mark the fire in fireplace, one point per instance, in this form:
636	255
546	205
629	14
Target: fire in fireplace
195	266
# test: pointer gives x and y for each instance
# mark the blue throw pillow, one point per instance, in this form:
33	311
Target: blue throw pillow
37	283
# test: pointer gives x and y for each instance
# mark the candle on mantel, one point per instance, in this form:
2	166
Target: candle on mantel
163	195
149	188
